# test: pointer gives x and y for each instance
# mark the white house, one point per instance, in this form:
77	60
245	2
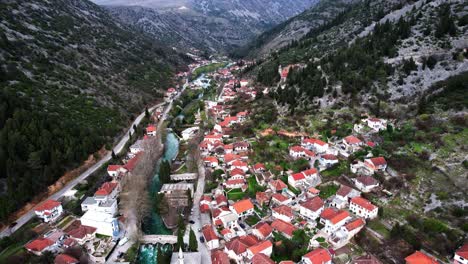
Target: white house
211	239
366	183
242	208
262	230
376	124
352	143
297	179
283	212
49	210
363	208
296	152
343	195
108	207
263	247
333	219
115	170
342	236
317	256
376	164
311	208
211	162
104	223
137	147
328	160
315	144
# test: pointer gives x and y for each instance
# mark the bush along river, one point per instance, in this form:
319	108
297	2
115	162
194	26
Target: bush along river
154	224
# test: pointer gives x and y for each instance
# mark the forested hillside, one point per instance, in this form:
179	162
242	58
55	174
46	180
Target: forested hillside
70	79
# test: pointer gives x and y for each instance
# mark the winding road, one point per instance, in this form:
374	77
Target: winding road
118	148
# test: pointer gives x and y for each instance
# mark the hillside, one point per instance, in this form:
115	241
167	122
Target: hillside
207	25
71	79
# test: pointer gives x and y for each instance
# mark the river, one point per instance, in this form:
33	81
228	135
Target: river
154	224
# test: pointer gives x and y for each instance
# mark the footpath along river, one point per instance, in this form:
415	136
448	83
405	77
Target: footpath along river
154	224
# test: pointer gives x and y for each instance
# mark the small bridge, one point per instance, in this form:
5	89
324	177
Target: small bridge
184	177
161	239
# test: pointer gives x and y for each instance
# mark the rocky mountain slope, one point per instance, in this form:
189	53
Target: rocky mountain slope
209	25
70	80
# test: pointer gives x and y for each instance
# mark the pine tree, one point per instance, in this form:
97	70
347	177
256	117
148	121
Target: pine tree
114	157
193	244
180	239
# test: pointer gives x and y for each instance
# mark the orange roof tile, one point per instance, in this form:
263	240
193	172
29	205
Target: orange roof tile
318	256
261	258
357	223
260	247
243	206
47	205
420	258
38	245
363	203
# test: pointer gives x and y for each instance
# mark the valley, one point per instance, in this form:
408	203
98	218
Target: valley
250	132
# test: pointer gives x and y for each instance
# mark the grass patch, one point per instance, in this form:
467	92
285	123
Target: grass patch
252	220
337	170
207	68
328	190
235	194
65	221
378	227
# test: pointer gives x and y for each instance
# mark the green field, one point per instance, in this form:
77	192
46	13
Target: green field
208	68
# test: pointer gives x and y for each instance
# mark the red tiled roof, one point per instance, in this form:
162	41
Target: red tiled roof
47	205
298	176
297	149
333	215
261	258
352	140
260	247
259	166
310	172
204	208
81	231
38	245
318	256
329	157
69	242
65	259
113	167
463	251
420	258
131	164
237	171
208	233
264	228
355	224
221	199
378	161
344	190
363	203
279	185
313	190
243	206
106	189
284	210
210	159
313	204
219	257
230	157
150	128
367	180
314	141
235	182
283	227
287	262
240	244
281	198
370	144
239	163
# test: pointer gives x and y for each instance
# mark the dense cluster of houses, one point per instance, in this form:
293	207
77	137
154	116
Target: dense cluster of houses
283	207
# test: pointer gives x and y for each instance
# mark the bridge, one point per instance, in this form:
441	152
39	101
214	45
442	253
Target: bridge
184	177
161	239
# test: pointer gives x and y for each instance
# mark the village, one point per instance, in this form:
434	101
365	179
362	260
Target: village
246	209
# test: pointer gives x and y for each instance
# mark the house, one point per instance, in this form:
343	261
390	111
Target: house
363	208
212	138
262	230
297	179
219	257
137	147
333	219
280	199
224	217
366	183
296	152
221	200
259	168
352	143
242	208
151	130
277	185
311	208
104	223
461	255
304	178
65	259
283	212
343	195
261	258
376	164
106	206
241	146
237	173
263	177
237	247
264	247
376	124
367	259
171	92
312	192
315	144
285	228
328	160
360	168
342	236
317	256
115	170
244	83
262	198
211	239
240	165
81	233
49	210
419	257
235	183
205	204
38	246
211	162
107	191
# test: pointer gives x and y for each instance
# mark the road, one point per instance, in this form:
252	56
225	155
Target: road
118	148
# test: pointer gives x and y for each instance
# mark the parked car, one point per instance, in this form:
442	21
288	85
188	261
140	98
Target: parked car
192	222
202	239
123	241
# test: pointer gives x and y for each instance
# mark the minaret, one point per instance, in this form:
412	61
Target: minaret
181	256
